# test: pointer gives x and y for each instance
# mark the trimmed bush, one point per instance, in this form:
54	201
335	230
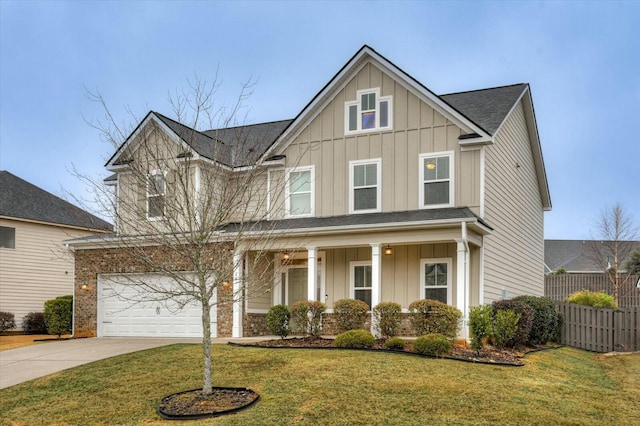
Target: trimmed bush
316	309
480	325
505	327
354	339
387	317
546	319
432	345
434	317
350	314
306	317
7	321
33	323
278	319
394	343
594	299
58	313
524	324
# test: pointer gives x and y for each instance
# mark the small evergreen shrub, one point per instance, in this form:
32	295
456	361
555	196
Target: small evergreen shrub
546	319
432	345
316	309
594	299
7	321
434	317
524	324
480	325
387	316
354	339
350	314
33	323
394	343
278	319
306	318
505	327
58	314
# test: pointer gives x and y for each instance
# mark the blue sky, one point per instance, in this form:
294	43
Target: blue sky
582	60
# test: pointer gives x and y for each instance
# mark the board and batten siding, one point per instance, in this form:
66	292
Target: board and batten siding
514	252
39	268
417	129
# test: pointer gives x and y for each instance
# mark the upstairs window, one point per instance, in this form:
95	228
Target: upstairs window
368	112
7	237
365	186
156	193
299	198
436	186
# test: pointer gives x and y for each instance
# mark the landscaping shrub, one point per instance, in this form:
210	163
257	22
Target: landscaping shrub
350	314
316	309
480	325
306	317
505	327
387	318
431	316
594	299
394	343
524	324
278	319
7	321
58	313
432	345
33	323
354	339
546	319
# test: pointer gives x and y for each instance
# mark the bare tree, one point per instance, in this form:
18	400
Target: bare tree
186	208
616	238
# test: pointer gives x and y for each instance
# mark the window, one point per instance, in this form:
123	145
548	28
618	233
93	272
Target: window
368	112
436	279
7	237
299	200
364	178
436	186
361	281
156	191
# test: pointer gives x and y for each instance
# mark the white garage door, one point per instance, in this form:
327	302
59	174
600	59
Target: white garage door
121	314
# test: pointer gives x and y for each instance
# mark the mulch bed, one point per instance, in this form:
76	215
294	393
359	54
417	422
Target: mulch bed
193	404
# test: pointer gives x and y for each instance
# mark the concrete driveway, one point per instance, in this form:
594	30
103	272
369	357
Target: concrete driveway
30	362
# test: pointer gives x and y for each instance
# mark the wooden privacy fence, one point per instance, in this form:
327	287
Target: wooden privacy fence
558	287
600	330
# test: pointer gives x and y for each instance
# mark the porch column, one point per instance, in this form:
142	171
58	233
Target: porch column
312	270
462	286
376	283
236	330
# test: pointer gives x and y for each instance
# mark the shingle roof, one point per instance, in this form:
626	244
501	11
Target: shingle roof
23	200
572	255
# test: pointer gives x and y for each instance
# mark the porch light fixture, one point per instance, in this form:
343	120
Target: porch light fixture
388	250
226	283
85	286
286	256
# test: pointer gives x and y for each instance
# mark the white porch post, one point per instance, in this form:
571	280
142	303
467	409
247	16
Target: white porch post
462	286
376	283
312	270
236	330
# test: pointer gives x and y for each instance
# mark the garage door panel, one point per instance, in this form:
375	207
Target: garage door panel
121	315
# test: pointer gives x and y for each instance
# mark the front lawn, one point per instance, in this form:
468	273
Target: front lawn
309	387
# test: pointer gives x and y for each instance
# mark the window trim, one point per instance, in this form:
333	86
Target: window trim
429	261
287	199
14	238
421	179
358	104
352	188
352	278
164	195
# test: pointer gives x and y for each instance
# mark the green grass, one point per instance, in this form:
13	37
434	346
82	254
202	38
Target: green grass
564	386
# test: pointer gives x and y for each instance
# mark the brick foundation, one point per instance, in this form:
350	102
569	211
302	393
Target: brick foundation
255	325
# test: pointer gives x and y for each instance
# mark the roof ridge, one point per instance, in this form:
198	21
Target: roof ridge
487	88
249	125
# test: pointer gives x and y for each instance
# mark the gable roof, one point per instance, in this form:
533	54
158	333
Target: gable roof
20	199
572	255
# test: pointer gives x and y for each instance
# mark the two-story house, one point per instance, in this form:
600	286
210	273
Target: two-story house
389	192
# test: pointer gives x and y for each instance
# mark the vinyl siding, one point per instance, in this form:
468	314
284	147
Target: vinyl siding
514	252
37	270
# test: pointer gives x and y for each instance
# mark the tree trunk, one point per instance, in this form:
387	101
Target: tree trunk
206	348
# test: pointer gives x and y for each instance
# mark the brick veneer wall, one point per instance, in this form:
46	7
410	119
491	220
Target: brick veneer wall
255	325
330	325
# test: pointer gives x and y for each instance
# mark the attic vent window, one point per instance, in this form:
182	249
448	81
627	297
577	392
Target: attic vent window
369	112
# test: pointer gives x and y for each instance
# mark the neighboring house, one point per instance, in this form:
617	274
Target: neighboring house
34	264
405	195
580	256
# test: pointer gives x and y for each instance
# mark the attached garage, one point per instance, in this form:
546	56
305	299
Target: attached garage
122	313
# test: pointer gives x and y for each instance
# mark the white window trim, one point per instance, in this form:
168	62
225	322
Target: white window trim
352	277
421	181
357	103
287	200
164	211
449	262
352	198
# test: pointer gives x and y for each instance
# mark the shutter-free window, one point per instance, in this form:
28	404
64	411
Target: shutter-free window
300	192
436	183
156	192
365	181
7	237
362	283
